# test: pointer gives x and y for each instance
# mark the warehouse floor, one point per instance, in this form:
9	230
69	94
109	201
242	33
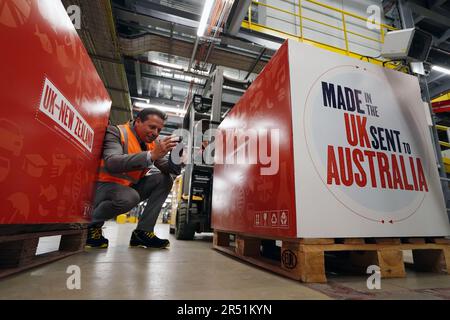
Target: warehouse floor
192	270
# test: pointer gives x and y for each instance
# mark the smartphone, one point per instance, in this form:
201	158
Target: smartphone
178	139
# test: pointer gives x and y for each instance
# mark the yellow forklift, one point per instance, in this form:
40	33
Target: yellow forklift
192	191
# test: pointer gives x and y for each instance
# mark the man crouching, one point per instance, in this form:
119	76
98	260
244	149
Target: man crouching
129	151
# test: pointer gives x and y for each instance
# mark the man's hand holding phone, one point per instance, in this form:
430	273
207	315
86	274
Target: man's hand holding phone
163	146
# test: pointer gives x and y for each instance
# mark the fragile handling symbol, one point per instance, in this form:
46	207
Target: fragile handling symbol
284	219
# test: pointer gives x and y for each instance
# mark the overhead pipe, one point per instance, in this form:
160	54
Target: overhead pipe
178	71
223	17
197	39
193	53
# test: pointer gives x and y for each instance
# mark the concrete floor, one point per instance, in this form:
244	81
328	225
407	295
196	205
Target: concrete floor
192	270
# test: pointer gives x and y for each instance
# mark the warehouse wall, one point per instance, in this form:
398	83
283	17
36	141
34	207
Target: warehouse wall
325	34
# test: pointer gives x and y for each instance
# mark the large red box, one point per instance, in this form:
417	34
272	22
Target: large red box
53	115
354	156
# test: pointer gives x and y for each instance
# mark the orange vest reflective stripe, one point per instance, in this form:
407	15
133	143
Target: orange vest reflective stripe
130	145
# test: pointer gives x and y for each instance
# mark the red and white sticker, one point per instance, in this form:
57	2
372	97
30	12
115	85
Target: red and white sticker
62	112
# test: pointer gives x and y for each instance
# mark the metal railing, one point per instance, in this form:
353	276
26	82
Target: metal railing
344	15
447	130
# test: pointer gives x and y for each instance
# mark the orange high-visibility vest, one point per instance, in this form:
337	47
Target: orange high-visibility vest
130	145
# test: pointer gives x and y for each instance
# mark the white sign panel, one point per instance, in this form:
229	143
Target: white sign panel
364	162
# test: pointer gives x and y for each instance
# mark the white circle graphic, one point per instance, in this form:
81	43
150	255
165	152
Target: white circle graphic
324	126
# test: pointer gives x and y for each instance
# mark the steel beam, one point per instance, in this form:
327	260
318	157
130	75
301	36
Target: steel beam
167	13
239	11
436	146
172	69
137	70
406	16
168	102
123	14
418	19
144	21
443	38
427	13
217	88
106	59
435	75
442	88
185	84
120	108
117	90
172	81
436	3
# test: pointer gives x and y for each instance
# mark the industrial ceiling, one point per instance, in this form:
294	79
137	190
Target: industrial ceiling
148	50
432	16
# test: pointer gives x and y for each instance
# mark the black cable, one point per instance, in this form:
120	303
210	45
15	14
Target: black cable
369	57
387	61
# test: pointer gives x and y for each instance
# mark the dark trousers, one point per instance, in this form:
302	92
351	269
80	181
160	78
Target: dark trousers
112	199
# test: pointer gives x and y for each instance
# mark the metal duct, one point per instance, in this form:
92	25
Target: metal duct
219	56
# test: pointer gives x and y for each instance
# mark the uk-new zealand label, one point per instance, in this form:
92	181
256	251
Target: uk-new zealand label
65	117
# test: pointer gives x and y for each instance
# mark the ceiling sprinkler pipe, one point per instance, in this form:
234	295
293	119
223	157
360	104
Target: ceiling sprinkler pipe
223	16
193	54
201	28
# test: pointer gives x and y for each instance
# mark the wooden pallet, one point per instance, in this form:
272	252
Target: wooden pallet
18	252
304	259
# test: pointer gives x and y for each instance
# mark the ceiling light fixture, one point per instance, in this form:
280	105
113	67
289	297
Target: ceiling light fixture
168	64
441	69
159	107
204	19
143	99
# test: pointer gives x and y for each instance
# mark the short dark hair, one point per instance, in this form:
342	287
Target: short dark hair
144	113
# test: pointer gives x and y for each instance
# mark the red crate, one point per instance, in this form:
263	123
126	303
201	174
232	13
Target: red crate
53	115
